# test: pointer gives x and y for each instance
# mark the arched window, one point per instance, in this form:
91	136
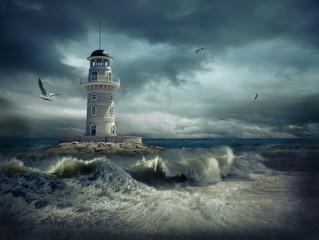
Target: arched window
111	97
93	130
93	110
94	76
93	97
113	129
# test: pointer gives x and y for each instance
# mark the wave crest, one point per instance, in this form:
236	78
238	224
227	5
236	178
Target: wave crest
13	166
70	166
200	165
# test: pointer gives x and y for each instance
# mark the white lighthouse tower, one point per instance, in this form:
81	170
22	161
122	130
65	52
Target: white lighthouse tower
100	85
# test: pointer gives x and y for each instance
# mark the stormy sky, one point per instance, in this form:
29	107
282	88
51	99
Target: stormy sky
167	91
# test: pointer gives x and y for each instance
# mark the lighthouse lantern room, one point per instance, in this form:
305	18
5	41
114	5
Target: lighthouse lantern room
100	85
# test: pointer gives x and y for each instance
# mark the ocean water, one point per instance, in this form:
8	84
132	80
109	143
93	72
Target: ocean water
194	189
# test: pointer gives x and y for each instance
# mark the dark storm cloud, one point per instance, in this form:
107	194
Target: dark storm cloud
299	116
273	111
219	23
215	25
5	104
306	110
165	67
56	128
12	124
30	32
15	124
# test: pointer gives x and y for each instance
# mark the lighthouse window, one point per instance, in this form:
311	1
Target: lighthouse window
94	76
112	111
111	97
94	97
93	110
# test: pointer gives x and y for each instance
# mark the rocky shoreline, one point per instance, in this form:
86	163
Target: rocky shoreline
102	148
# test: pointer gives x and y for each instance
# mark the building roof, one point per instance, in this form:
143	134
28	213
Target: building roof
100	53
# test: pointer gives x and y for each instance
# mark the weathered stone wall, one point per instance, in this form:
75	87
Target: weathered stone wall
115	139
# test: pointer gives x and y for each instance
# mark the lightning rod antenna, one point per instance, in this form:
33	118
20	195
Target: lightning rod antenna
99	34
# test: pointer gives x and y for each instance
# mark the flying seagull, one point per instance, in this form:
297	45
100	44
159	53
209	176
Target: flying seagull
200	49
44	94
255	98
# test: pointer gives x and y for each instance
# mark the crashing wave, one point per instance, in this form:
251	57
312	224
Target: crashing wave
13	166
200	165
71	166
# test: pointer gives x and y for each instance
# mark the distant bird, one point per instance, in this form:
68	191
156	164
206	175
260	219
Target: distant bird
200	49
255	98
44	94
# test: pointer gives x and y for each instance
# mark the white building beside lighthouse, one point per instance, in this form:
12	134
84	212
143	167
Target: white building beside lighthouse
100	85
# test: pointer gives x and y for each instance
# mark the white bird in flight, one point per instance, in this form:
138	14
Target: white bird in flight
44	94
200	49
255	98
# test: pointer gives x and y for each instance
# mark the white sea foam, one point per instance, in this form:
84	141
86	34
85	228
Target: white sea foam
102	201
201	165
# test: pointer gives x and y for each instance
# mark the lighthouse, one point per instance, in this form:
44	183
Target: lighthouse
100	85
100	118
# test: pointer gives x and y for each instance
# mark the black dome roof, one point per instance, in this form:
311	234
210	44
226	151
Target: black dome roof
100	53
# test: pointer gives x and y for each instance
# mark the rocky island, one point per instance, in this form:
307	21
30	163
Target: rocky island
76	147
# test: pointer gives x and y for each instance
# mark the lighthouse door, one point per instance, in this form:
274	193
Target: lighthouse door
93	130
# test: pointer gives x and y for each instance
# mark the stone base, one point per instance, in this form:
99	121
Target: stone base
91	147
102	145
115	139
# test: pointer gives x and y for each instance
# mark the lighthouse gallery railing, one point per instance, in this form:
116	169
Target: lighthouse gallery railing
101	79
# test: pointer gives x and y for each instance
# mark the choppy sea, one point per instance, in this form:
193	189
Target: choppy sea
194	189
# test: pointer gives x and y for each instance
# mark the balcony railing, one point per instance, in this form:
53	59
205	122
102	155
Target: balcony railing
101	79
